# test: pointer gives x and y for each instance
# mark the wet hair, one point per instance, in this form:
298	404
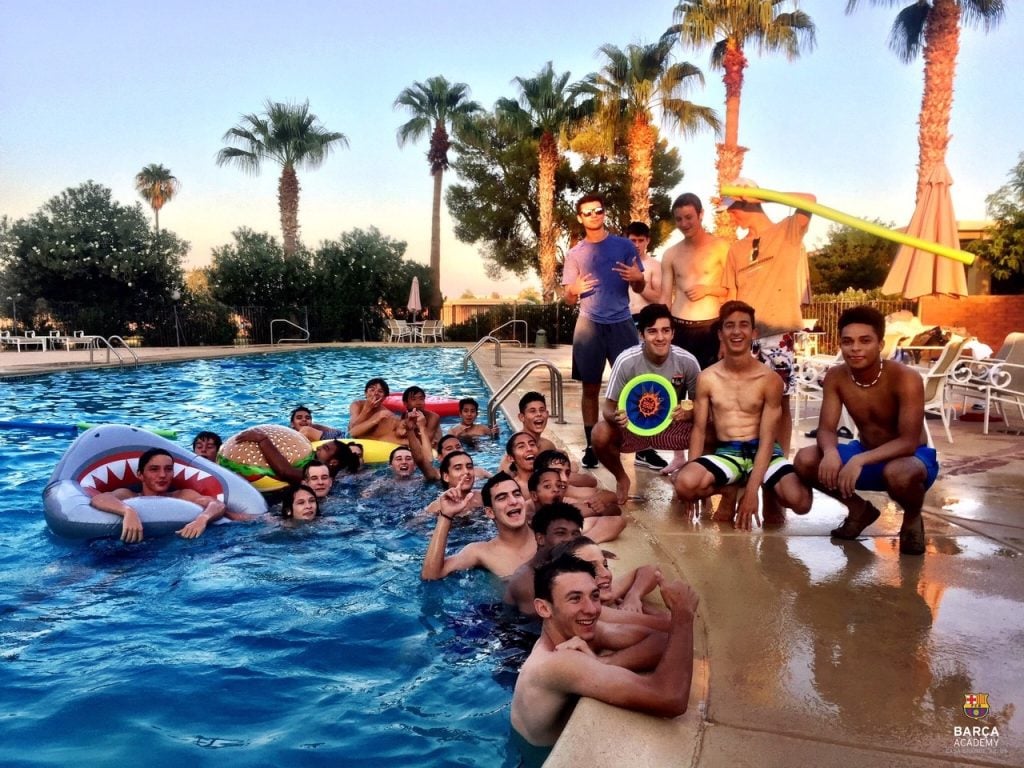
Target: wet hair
734	306
300	409
312	463
638	229
444	438
546	458
571	547
492	481
685	199
469	401
559	510
651	314
544	577
533	483
411	392
381	383
863	315
446	464
289	498
151	454
356	444
344	457
205	435
591	198
531	397
510	443
396	449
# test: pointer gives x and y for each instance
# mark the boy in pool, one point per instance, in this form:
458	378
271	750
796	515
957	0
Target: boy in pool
457	472
512	546
552	524
577	655
415	399
300	503
369	419
156	470
534	415
301	421
317	476
206	444
467	426
452	442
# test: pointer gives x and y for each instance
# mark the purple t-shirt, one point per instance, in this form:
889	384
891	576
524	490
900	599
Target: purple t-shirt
609	301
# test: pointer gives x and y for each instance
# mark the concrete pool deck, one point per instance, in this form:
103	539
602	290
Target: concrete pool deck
806	651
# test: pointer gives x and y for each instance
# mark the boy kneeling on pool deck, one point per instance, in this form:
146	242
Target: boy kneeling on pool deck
745	398
885	399
654	354
578	656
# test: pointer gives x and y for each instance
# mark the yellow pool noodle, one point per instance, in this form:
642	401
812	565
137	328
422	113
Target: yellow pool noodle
851	221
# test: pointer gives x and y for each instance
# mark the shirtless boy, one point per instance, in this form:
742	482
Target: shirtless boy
602	522
691	281
457	472
415	400
745	398
469	409
156	470
885	399
552	524
578	656
301	421
534	415
369	418
513	545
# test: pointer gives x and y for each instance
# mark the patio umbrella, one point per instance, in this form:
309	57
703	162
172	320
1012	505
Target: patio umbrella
414	305
917	273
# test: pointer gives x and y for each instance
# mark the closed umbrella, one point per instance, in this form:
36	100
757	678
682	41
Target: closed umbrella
414	305
917	273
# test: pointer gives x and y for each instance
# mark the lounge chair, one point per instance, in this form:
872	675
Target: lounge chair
431	329
998	381
936	378
399	330
28	340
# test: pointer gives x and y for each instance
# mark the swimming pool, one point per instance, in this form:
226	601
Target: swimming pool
255	644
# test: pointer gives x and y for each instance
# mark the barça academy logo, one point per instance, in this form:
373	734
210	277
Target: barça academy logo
967	736
976	705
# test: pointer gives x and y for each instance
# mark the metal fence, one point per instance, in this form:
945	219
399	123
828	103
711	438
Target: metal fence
827	314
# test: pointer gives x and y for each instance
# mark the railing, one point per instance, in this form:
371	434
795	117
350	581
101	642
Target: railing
304	331
99	343
485	339
514	323
557	409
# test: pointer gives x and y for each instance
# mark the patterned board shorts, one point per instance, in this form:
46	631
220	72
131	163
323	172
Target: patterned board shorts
732	463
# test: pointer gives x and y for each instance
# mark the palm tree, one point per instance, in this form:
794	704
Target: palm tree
635	83
157	186
934	27
436	106
548	109
288	134
730	26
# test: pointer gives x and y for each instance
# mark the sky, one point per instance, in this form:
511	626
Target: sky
98	90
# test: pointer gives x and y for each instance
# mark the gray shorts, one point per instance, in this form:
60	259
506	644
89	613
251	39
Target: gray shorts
595	343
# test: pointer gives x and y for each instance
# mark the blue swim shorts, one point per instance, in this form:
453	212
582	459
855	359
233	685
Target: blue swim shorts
871	474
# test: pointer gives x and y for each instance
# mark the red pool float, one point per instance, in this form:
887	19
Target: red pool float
442	406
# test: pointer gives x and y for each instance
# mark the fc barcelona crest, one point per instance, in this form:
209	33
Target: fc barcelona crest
976	705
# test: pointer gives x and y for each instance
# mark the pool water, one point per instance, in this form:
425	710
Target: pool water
255	644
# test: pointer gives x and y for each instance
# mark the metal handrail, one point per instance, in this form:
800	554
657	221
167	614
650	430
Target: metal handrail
526	334
294	325
558	408
485	339
111	348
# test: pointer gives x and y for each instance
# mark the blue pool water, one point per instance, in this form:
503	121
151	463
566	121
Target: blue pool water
255	644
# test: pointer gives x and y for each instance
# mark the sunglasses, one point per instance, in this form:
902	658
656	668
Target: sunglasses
593	212
756	250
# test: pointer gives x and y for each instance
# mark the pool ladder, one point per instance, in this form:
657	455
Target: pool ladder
557	410
100	342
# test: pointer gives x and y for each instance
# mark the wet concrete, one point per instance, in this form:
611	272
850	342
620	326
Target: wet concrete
809	651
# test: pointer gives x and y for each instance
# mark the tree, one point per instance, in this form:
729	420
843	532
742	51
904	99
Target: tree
289	135
253	270
730	27
851	259
436	106
634	84
548	109
495	203
157	186
934	28
360	267
1002	251
85	248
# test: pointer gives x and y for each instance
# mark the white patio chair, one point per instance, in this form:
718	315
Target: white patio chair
936	400
432	330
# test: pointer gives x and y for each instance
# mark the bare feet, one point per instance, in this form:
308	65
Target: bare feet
678	460
622	488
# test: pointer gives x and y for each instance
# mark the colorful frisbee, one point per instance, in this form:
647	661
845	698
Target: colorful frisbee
648	400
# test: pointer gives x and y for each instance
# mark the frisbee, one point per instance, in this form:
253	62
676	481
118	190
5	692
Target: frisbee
648	400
